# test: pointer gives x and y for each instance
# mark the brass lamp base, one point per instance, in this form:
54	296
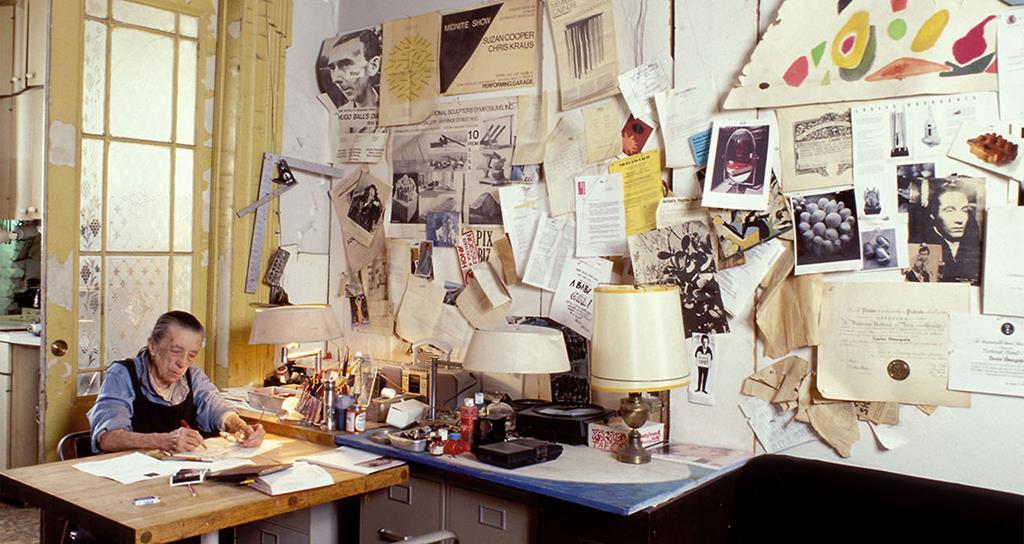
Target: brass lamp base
634	412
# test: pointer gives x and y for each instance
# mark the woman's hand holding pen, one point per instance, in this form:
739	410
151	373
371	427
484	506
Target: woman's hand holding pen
182	439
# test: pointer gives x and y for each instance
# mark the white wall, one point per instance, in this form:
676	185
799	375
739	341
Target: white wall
979	446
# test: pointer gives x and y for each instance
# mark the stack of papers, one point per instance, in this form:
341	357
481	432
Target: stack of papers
136	467
300	477
353	460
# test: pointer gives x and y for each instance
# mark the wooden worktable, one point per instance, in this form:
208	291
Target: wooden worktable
106	507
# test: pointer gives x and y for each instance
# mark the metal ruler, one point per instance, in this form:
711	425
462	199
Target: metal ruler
265	195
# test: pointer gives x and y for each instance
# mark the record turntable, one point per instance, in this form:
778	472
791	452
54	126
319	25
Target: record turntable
560	421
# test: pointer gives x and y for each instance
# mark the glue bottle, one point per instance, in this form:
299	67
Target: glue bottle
467	418
455	445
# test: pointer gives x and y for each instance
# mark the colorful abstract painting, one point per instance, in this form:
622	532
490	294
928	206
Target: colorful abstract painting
830	51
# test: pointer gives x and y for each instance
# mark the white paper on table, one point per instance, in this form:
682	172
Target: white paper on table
564	158
738	283
775	430
522	206
554	243
600	216
639	85
889	436
573	303
1010	58
1003	285
221	448
679	120
135	467
986	354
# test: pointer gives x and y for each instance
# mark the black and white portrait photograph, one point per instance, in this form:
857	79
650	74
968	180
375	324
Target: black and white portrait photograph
683	255
738	165
348	68
828	231
948	213
703	361
366	205
924	263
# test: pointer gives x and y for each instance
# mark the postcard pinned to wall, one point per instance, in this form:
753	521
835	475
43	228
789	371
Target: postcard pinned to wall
522	207
683	255
601	130
889	342
564	158
816	144
585	51
491	47
738	165
1003	288
741	230
600	216
367	202
452	162
531	129
986	354
1010	55
992	148
409	79
554	243
703	369
866	49
639	85
573	303
828	231
884	247
641	181
342	195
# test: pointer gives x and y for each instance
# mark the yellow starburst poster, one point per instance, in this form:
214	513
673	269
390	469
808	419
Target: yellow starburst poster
409	80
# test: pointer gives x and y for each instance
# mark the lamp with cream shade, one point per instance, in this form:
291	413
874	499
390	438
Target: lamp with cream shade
637	345
285	325
517	349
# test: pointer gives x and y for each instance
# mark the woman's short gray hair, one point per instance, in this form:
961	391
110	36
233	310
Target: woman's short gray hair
182	319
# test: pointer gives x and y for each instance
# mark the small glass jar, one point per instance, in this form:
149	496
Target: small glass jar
437	442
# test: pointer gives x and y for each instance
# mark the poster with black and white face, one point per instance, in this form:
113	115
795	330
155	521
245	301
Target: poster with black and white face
348	74
489	48
949	212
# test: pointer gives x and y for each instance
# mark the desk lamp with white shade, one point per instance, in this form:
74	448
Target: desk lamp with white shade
517	349
284	325
637	345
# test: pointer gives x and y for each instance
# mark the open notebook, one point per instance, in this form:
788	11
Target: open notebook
300	477
353	460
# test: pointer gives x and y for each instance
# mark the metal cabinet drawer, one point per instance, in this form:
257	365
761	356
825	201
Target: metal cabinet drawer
477	517
412	508
264	532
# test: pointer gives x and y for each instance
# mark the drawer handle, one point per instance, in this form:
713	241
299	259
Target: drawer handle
430	538
491	517
400	493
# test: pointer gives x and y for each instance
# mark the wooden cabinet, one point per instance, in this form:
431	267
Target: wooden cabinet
23	33
22	151
19	405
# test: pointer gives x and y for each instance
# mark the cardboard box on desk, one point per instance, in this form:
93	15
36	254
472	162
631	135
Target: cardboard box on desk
612	436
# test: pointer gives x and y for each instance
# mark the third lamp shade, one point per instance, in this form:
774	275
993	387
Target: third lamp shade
298	323
638	339
518	349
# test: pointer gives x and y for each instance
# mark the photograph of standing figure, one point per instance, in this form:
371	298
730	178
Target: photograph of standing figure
702	383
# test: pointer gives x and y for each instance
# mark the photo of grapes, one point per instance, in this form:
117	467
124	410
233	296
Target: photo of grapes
827	228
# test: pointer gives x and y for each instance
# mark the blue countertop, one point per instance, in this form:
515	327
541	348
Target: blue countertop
581	475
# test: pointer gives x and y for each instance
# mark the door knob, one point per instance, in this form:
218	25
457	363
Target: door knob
59	348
